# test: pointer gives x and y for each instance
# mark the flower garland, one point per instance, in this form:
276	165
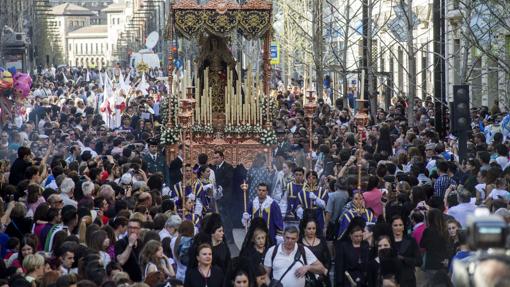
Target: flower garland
268	137
163	110
202	128
169	135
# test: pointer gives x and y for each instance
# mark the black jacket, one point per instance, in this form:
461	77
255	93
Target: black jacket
224	176
409	256
175	173
17	172
347	258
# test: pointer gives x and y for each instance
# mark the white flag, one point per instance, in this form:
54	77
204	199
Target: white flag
101	83
143	86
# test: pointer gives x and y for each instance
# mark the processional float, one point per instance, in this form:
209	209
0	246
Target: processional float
213	102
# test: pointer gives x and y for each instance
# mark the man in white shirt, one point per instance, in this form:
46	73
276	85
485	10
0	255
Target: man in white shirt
67	192
461	211
171	226
282	264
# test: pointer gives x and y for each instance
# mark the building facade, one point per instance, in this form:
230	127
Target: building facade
68	18
482	61
89	47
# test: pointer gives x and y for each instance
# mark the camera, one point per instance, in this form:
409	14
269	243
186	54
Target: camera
487	238
487	232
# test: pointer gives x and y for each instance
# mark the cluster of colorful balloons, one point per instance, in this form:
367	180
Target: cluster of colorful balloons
16	83
14	90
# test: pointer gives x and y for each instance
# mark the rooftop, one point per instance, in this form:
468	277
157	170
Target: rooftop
92	29
115	7
71	10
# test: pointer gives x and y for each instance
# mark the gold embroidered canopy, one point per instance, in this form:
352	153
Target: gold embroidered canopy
220	17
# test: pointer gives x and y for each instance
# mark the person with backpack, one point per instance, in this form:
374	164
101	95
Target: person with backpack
181	246
290	262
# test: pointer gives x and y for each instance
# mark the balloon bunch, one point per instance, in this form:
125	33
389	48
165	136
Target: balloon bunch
12	81
17	85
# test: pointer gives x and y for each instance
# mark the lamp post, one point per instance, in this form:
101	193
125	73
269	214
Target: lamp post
185	120
361	119
310	109
244	188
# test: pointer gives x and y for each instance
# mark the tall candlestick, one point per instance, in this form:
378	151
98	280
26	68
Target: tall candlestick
249	90
362	85
197	98
229	106
210	105
226	104
260	107
238	91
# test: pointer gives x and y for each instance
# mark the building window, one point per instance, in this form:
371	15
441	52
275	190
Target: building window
97	48
81	48
76	48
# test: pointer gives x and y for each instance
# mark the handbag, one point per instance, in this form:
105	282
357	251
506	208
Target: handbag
310	279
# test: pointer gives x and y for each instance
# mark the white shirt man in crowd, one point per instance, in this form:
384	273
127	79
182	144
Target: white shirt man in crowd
284	259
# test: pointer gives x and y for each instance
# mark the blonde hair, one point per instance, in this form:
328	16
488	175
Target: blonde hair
139	216
32	262
256	233
148	254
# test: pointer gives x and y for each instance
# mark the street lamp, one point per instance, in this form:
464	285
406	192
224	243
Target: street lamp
310	109
361	120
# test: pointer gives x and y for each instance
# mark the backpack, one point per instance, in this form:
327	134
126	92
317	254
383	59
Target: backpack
310	279
183	250
297	256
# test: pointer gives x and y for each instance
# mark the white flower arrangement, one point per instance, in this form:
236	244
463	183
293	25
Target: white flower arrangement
170	136
203	128
268	137
273	107
229	129
163	110
256	129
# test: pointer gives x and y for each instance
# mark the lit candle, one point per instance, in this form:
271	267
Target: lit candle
210	105
225	105
238	92
197	98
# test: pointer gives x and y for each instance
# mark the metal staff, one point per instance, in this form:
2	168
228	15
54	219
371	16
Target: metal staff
244	188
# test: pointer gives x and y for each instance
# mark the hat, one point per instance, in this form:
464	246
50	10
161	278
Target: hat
43	137
430	146
152	141
126	178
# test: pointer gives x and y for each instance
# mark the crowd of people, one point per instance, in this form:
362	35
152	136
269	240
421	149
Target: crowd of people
88	203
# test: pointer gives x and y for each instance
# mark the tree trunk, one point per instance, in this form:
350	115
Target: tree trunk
372	97
344	51
318	45
411	64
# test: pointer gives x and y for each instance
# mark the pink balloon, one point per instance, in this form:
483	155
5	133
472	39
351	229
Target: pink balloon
23	78
21	89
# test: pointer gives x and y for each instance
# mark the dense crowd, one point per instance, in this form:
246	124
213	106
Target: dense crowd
90	199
